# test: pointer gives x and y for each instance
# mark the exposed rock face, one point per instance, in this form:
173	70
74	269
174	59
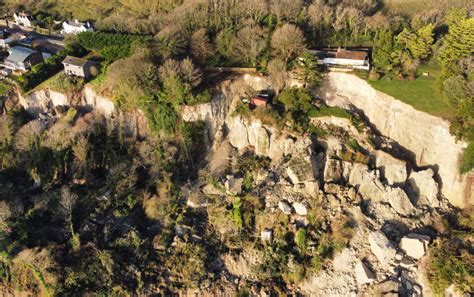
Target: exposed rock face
426	136
392	169
381	247
284	207
300	208
234	185
424	188
414	245
363	274
44	100
399	200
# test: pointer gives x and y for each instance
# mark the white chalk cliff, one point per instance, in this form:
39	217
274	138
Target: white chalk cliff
426	136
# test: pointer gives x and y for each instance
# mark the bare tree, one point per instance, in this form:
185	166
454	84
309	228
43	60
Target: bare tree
319	14
286	10
278	74
288	42
201	46
254	9
28	136
250	41
5	213
67	202
6	130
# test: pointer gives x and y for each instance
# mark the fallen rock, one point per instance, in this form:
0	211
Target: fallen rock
196	200
381	247
399	200
363	274
372	189
333	171
266	235
300	208
284	207
359	173
300	170
424	188
234	185
414	245
392	169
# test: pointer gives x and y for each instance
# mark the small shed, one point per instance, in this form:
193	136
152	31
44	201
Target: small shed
258	101
74	66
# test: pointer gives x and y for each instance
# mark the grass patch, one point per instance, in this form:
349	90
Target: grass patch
467	161
61	83
422	93
324	111
4	88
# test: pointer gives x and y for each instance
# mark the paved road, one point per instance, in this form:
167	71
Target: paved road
56	40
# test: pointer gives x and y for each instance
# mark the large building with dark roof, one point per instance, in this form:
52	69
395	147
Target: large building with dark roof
22	58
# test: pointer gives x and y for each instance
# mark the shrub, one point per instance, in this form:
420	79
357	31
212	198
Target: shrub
467	161
450	264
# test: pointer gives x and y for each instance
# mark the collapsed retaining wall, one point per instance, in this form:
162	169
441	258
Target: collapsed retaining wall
426	136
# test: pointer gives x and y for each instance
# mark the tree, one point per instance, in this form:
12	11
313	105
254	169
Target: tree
201	46
278	74
307	70
286	10
418	43
295	100
383	48
249	43
254	9
288	42
49	22
459	42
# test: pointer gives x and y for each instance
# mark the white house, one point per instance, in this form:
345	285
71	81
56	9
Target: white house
75	27
343	58
23	19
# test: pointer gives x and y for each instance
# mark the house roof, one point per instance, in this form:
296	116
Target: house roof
75	61
76	23
348	54
19	53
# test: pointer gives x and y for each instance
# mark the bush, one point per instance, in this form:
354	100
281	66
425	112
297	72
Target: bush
467	161
450	264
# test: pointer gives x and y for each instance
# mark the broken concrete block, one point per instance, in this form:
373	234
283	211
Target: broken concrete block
284	207
234	185
399	200
363	274
414	245
424	188
266	235
300	208
381	247
392	169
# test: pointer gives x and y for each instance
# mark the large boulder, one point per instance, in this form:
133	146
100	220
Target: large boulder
259	137
359	173
424	188
399	200
372	189
333	171
381	247
300	208
300	170
414	245
234	185
284	207
363	274
392	169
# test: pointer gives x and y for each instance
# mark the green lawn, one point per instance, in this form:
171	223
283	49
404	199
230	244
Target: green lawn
422	93
328	111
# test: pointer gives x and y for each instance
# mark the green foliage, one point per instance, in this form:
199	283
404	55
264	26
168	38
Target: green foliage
237	212
383	48
111	46
325	110
467	161
300	240
295	100
450	264
307	70
164	117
